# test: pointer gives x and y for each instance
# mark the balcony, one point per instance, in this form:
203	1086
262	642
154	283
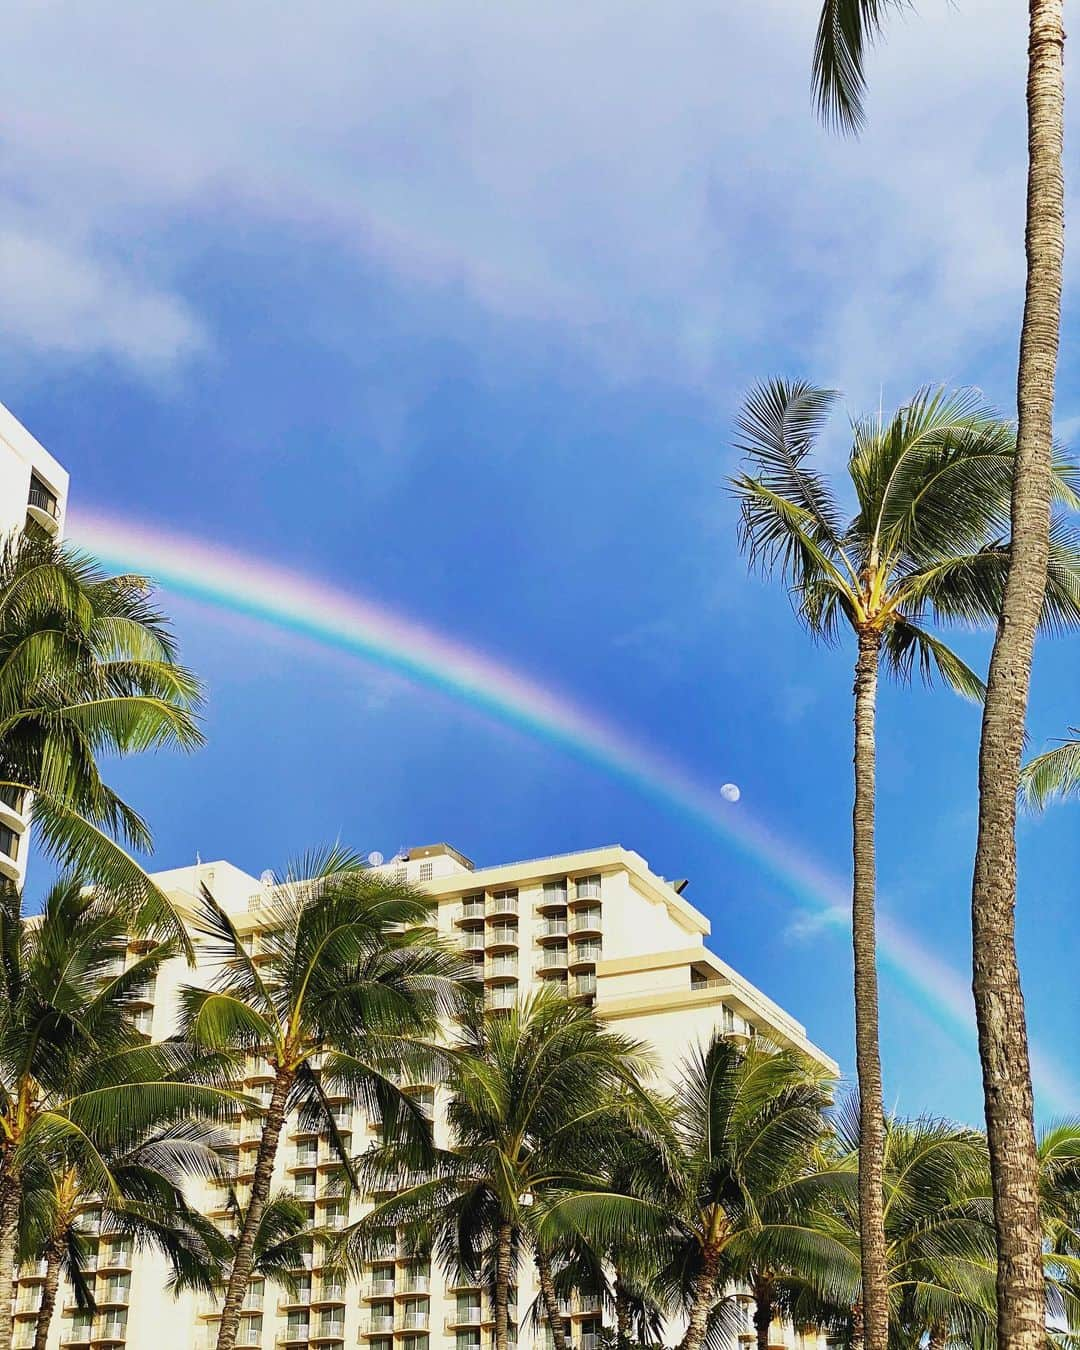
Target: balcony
298	1300
297	1335
464	1318
583	986
114	1296
383	1288
500	998
304	1160
9	853
549	930
113	1258
328	1295
585	954
415	1319
471	911
12	804
472	940
501	968
502	935
586	922
553	897
553	962
380	1325
502	902
42	505
413	1285
79	1335
328	1331
585	888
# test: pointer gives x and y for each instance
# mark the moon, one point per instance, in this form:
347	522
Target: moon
731	792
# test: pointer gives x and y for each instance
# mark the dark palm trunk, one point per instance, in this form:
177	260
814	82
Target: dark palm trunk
704	1298
867	1047
243	1261
937	1338
623	1323
857	1332
763	1310
48	1293
9	1236
551	1302
504	1245
999	1003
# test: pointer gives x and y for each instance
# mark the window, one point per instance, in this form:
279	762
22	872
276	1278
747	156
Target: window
9	842
468	1340
554	892
425	872
729	1020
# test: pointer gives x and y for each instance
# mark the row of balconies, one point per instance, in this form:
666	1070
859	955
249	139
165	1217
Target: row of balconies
586	924
481	908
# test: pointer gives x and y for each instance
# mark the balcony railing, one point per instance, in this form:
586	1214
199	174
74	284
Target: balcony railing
502	904
40	496
586	921
588	888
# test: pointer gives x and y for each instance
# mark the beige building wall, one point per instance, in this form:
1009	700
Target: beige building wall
599	924
33	486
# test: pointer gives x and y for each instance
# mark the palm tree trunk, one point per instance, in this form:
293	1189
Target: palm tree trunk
551	1303
243	1261
937	1339
9	1238
504	1242
867	1047
704	1298
999	1003
622	1312
857	1332
763	1311
48	1294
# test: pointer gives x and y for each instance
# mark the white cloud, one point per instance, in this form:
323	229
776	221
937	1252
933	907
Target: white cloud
61	299
648	179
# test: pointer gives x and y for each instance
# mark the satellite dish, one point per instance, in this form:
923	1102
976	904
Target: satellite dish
267	877
376	859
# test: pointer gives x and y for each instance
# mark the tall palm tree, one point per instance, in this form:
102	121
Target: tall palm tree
845	31
345	996
726	1197
939	1237
533	1091
144	1205
928	538
88	667
76	1078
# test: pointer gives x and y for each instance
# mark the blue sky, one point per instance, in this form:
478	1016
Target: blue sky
453	304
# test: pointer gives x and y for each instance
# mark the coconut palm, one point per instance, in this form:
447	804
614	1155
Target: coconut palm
728	1195
87	667
343	1000
846	30
1053	774
928	539
143	1206
939	1238
76	1078
534	1089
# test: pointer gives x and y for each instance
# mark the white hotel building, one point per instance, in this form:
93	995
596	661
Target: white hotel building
600	925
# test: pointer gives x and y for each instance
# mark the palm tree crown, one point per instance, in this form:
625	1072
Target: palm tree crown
929	534
88	667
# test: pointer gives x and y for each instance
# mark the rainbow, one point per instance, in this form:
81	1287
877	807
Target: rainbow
312	609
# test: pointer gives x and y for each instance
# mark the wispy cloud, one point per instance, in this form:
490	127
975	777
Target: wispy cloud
649	181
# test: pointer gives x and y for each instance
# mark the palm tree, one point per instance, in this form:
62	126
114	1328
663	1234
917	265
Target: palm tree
76	1078
1055	773
845	31
87	667
939	1237
144	1205
344	999
534	1089
726	1198
931	488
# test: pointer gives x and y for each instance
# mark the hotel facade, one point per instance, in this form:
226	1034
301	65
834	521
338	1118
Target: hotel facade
599	925
33	487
